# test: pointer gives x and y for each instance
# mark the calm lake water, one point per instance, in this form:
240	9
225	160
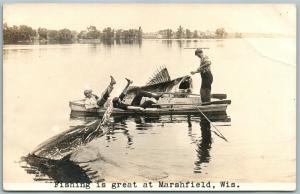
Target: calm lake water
258	75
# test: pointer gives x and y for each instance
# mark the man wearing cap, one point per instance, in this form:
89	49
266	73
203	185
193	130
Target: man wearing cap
206	75
93	101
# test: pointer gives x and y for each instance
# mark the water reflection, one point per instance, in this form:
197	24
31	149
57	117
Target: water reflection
51	160
120	123
220	43
145	123
189	122
188	43
167	42
118	42
179	43
63	170
204	146
108	42
93	48
15	51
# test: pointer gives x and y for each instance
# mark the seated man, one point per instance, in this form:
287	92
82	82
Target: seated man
136	102
93	101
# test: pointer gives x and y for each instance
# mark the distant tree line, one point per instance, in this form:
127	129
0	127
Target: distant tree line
16	34
23	34
181	33
56	36
108	34
26	34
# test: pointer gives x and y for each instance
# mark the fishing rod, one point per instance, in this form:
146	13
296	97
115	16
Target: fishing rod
221	135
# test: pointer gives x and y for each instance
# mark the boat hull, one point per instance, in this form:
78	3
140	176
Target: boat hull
171	106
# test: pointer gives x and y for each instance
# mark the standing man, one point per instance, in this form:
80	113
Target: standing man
206	75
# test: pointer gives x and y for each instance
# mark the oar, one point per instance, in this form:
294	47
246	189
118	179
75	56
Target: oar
221	135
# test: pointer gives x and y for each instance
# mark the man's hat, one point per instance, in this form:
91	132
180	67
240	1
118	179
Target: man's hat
198	50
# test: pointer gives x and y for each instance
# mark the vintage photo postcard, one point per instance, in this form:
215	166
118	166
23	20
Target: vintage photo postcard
149	97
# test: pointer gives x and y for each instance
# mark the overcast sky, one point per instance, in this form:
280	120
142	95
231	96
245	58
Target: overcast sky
266	18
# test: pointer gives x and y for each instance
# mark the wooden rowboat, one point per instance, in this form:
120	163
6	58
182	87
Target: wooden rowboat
167	106
177	99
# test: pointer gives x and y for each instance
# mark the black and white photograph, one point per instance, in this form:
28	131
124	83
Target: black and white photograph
149	97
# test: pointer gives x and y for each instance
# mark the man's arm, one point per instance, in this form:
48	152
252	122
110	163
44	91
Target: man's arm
96	96
197	71
204	65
